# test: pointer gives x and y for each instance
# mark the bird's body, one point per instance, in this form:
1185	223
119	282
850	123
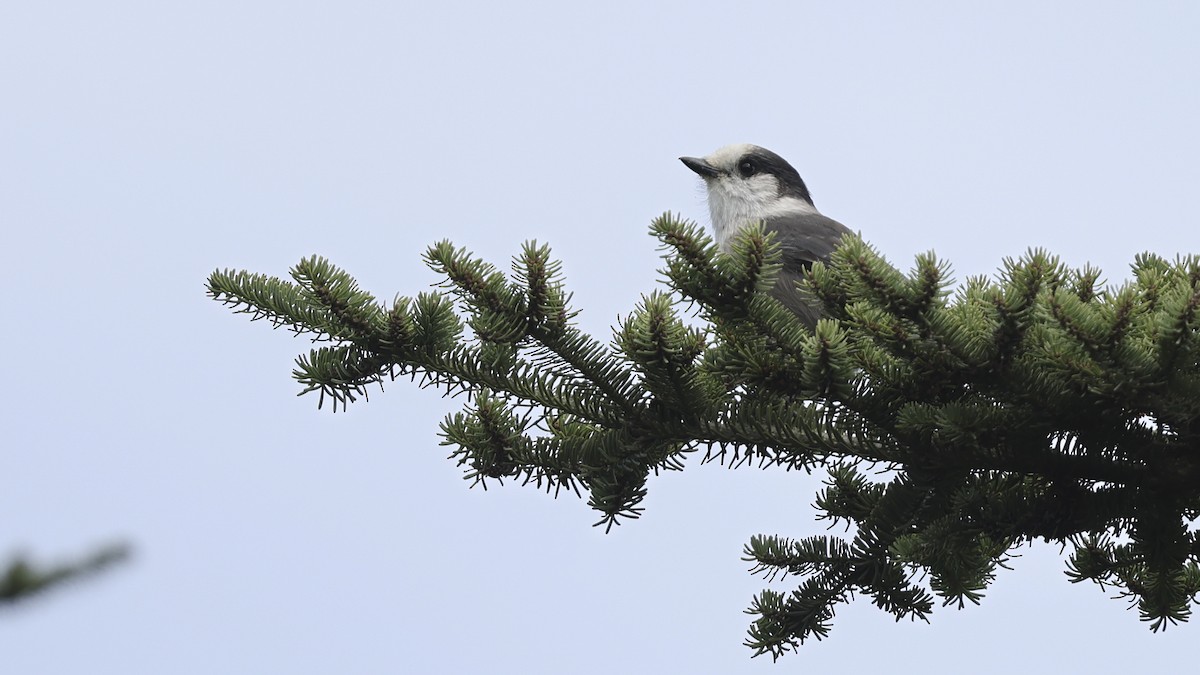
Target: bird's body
748	185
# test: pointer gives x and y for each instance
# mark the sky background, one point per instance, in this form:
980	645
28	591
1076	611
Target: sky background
143	144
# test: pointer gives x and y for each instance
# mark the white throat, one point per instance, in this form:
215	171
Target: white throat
737	208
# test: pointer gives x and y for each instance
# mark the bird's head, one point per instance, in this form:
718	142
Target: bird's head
747	184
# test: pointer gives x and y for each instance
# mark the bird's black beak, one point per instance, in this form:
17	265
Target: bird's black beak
701	167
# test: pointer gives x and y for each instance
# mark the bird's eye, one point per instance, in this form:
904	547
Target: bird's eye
747	168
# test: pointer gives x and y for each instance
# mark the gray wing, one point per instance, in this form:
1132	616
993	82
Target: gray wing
804	239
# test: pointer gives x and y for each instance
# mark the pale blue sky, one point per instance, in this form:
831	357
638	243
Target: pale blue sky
143	144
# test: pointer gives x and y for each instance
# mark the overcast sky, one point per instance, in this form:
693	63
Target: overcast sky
143	144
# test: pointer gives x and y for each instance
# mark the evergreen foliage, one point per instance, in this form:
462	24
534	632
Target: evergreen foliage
954	425
23	579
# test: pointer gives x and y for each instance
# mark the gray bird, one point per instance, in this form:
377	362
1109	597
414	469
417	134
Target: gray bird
747	185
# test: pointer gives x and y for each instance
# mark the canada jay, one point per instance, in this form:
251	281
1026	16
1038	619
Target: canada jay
748	184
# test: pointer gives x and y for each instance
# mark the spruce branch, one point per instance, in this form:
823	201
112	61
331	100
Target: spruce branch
1038	404
23	579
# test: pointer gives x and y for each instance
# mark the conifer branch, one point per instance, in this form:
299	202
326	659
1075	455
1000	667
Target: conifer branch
23	579
1038	404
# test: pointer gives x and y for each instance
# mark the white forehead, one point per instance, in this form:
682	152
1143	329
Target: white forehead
728	156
